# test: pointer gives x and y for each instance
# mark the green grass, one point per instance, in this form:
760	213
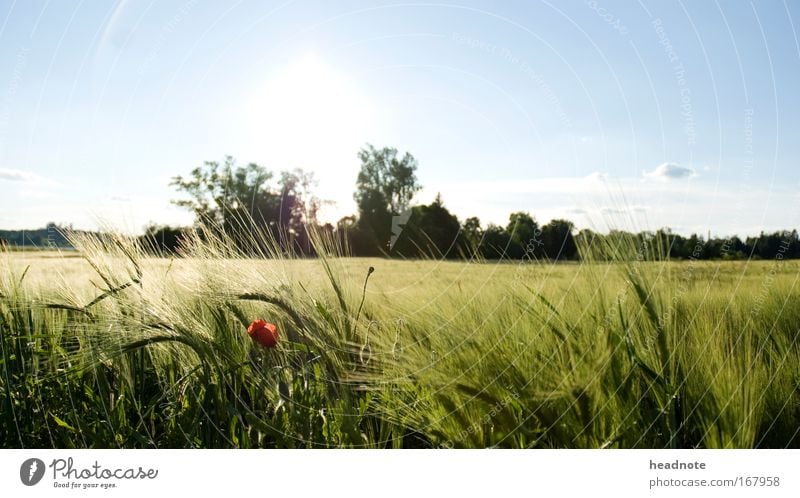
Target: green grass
116	349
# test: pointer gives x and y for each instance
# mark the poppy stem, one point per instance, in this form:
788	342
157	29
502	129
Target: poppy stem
364	293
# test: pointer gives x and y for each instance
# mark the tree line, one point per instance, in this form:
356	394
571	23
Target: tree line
256	210
52	235
239	200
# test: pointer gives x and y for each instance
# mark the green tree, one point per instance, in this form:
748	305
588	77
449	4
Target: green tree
431	231
473	233
525	236
495	243
297	209
238	200
162	239
385	186
557	240
217	191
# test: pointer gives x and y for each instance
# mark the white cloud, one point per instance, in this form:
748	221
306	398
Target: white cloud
15	175
670	171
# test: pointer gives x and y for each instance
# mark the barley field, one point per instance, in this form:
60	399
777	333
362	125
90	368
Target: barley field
106	347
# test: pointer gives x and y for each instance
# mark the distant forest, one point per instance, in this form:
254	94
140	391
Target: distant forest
554	241
240	201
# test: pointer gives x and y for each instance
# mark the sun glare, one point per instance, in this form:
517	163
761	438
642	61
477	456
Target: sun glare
307	112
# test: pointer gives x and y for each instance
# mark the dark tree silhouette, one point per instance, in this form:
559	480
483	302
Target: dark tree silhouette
473	234
384	188
526	240
431	231
162	240
557	240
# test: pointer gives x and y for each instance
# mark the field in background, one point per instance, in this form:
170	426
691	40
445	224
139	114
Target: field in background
427	280
122	350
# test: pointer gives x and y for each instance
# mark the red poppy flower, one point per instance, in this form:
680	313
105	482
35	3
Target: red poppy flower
263	333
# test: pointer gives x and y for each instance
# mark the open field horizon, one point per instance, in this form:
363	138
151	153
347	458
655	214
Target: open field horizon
64	271
108	347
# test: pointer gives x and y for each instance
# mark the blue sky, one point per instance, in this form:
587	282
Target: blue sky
631	114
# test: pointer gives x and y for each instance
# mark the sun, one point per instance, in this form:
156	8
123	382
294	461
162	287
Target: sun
306	113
